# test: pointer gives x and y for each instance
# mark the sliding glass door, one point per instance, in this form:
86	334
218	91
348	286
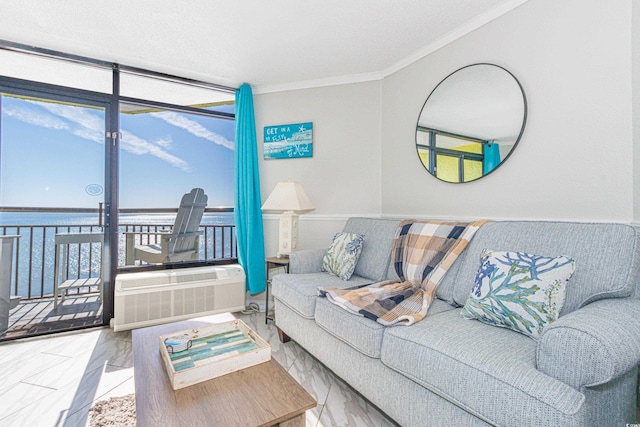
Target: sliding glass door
54	148
89	155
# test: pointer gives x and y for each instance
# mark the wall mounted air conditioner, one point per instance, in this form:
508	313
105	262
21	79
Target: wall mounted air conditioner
155	297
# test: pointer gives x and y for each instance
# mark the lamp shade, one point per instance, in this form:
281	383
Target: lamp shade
288	196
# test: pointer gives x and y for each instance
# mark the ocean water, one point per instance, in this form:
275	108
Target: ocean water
37	218
34	253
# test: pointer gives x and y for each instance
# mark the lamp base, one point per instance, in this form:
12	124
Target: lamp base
288	234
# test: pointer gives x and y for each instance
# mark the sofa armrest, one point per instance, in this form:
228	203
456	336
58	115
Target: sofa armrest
306	261
592	345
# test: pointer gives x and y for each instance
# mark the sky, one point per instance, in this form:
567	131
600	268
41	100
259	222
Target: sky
52	155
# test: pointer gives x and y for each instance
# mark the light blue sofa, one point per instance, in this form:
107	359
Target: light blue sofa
445	370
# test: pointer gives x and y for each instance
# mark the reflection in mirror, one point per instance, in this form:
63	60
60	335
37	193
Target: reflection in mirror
470	123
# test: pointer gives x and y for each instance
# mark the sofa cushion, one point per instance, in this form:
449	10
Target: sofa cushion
446	289
300	291
364	335
378	242
306	261
519	291
604	256
479	367
342	255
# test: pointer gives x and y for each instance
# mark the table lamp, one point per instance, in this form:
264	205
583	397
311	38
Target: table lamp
289	198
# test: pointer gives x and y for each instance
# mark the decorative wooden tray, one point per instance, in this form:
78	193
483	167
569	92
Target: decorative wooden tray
215	350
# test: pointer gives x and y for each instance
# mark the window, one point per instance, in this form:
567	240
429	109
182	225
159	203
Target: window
174	138
451	158
62	174
163	154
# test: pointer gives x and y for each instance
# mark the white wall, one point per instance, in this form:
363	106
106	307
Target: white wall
575	160
343	176
635	57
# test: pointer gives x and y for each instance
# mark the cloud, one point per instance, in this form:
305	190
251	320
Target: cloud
194	128
136	145
165	142
91	127
89	134
78	115
34	118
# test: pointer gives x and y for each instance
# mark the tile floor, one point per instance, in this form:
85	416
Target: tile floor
54	380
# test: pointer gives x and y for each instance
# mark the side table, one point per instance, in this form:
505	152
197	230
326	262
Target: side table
7	244
273	262
62	241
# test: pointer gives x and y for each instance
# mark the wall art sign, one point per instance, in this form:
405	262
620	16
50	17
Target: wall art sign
288	141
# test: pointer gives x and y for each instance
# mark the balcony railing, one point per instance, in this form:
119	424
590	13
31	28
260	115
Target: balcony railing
217	242
34	253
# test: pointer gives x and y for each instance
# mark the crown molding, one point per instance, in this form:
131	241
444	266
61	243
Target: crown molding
454	35
443	41
328	81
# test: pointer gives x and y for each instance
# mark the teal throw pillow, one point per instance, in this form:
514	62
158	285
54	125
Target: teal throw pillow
519	291
342	256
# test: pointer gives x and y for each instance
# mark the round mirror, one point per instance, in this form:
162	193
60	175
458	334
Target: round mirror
470	123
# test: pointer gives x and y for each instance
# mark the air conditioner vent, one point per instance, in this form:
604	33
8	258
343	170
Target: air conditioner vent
182	278
151	298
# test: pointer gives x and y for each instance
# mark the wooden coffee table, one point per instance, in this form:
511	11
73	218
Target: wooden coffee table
262	395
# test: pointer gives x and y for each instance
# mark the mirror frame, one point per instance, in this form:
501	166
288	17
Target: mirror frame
524	122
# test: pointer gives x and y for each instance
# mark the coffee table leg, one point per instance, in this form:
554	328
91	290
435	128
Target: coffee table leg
298	421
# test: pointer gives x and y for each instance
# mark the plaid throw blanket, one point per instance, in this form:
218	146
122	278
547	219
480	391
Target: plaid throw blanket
423	252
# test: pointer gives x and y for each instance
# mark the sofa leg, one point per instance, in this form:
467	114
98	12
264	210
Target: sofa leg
283	337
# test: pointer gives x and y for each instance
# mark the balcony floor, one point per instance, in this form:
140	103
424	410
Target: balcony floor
35	317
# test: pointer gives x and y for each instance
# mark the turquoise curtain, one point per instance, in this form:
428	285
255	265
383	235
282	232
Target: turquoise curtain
491	158
249	231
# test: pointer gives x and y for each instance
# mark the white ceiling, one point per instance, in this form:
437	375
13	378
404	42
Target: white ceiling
273	45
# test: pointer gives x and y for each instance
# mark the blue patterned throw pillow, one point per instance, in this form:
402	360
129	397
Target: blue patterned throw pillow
519	291
342	256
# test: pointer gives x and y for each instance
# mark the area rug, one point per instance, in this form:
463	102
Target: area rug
117	411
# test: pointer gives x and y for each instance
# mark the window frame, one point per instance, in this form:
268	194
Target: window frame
112	102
